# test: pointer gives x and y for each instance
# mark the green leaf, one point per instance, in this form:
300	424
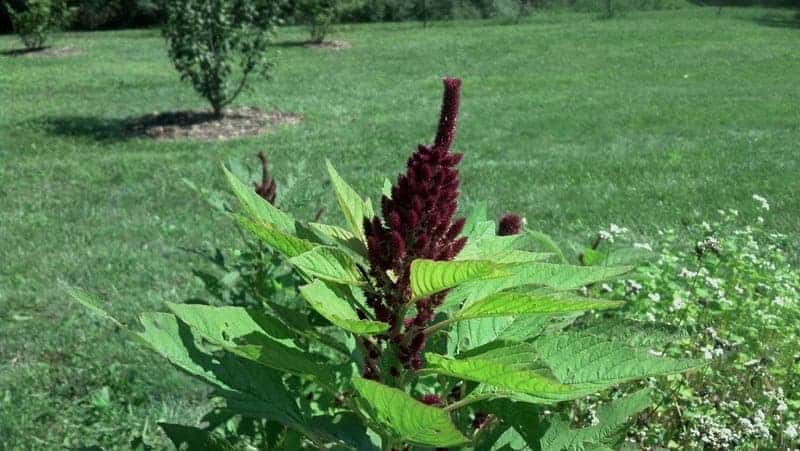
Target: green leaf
355	208
512	368
561	277
577	358
226	325
91	303
328	263
429	277
613	417
194	438
274	354
387	188
591	257
256	390
341	237
288	245
542	303
544	241
408	418
338	311
257	208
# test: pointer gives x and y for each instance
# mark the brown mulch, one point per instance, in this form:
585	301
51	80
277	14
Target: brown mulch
203	125
329	45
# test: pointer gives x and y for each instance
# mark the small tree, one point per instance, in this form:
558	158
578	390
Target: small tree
37	20
218	44
319	16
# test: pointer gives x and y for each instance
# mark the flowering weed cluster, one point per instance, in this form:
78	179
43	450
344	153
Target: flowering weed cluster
736	294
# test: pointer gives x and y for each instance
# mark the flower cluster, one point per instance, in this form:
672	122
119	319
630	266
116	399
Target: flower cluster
510	224
417	223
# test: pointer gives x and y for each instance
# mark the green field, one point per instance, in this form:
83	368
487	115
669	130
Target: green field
647	121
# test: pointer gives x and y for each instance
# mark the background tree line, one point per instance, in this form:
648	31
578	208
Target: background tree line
113	14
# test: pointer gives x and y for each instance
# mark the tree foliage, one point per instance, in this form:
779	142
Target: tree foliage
218	45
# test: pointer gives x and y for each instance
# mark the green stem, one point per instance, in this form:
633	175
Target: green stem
464	402
439	326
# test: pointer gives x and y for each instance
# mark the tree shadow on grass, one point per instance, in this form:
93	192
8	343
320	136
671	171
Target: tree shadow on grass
120	129
97	128
779	20
21	51
293	43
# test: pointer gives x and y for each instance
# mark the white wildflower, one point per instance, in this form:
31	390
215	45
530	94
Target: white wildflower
617	230
790	432
645	246
684	272
650	317
655	297
678	303
605	288
761	200
706	226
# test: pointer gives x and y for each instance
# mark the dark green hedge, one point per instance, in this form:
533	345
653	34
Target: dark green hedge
110	14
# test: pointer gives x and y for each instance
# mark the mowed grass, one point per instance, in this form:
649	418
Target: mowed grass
648	121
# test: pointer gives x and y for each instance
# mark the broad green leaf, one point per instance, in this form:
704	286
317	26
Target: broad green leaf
274	354
476	214
257	208
542	303
429	277
512	368
328	263
338	311
561	277
226	325
288	245
339	236
577	358
194	438
355	208
258	390
408	418
513	275
607	434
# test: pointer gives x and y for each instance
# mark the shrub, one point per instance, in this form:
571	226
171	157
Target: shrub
34	24
736	295
319	16
219	44
407	328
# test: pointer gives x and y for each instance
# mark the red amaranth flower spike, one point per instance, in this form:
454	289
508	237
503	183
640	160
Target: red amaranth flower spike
510	224
417	223
268	188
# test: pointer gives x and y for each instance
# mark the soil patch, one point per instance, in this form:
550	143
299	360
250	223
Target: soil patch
203	125
329	45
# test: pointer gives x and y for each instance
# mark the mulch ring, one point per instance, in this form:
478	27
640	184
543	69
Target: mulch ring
44	52
203	125
329	45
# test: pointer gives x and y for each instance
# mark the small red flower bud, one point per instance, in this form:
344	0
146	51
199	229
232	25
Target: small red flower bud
431	400
510	224
267	189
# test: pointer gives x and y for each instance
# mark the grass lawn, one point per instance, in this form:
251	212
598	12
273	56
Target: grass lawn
651	120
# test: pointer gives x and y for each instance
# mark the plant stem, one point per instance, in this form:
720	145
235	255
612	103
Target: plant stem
463	402
439	326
